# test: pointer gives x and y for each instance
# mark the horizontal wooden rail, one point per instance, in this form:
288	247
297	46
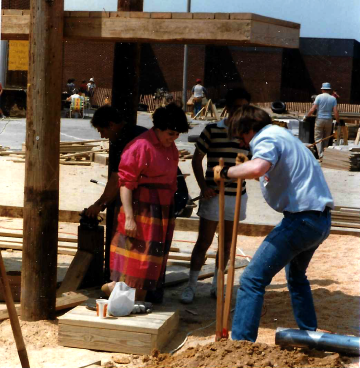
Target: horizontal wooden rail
192	28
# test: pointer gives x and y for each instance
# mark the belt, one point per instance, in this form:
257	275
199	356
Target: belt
318	213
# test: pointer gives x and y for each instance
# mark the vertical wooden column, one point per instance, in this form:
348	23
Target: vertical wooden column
41	193
125	97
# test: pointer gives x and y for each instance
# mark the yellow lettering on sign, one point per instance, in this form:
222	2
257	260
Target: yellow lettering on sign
18	55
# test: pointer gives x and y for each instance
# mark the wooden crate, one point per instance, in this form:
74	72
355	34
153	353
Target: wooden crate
134	334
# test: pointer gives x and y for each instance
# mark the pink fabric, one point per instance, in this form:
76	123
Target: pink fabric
146	161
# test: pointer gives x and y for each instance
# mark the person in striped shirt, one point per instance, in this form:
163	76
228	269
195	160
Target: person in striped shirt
214	143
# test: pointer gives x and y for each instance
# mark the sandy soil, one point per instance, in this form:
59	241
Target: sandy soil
334	275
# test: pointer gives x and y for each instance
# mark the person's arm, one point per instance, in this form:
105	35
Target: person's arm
126	200
249	170
198	157
110	192
312	111
336	114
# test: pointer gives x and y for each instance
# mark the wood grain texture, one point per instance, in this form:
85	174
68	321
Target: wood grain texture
138	334
191	28
41	191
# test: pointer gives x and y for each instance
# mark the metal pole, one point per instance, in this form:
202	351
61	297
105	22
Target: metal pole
186	52
317	340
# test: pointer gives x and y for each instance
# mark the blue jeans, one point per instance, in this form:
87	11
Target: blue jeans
291	244
197	107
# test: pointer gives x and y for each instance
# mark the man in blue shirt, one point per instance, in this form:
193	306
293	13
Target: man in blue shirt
325	104
292	183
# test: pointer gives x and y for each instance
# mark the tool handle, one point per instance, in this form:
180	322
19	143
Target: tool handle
220	277
14	320
231	270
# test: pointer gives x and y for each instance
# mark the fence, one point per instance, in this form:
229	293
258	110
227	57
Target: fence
153	104
304	107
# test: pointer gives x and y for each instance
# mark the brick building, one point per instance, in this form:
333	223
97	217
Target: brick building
268	73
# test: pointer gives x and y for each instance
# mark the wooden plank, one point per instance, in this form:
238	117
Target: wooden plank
67	300
142	323
181	15
222	16
19	234
139	15
166	332
76	272
79	14
120	14
345	224
12	12
203	15
240	29
175	278
163	15
105	339
260	18
64	215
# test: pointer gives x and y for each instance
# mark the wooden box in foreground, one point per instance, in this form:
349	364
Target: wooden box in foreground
134	334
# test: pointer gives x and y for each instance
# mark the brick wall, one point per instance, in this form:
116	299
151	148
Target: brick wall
83	61
15	4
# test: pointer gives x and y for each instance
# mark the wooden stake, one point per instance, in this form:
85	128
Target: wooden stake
357	137
231	271
41	192
220	278
14	320
199	113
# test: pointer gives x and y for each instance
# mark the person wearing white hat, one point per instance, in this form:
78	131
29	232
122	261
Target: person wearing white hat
91	87
325	105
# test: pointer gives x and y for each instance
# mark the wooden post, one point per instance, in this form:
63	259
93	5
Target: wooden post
41	193
125	97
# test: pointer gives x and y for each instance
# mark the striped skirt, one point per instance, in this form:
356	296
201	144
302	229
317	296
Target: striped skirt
140	262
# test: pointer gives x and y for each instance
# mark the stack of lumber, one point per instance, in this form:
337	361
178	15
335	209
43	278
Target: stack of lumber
67	245
345	217
345	158
80	153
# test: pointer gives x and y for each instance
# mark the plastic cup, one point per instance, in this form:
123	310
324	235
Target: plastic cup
101	307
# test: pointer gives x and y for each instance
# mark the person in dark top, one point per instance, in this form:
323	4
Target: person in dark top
111	125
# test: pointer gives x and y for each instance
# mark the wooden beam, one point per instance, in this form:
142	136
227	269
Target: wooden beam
41	192
66	300
125	97
183	28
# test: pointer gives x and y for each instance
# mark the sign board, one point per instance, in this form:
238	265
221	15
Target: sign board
18	55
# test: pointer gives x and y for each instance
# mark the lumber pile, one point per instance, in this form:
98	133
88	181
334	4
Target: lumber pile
346	158
80	153
345	217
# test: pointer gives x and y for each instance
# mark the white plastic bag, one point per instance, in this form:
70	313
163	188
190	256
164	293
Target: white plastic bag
121	300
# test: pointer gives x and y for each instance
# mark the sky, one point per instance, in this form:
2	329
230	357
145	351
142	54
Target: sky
91	5
318	18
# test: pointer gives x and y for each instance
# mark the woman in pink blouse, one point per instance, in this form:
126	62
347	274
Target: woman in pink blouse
148	181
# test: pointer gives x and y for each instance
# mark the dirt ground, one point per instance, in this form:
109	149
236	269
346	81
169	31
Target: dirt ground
334	275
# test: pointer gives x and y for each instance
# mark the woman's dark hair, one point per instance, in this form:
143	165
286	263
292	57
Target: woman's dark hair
171	117
247	118
104	115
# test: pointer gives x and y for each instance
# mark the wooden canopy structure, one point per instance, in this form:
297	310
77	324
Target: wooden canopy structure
192	28
46	26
